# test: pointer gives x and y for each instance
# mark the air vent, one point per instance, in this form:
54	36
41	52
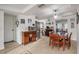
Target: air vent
36	17
41	5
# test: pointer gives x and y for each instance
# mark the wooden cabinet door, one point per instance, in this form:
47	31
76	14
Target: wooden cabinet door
25	38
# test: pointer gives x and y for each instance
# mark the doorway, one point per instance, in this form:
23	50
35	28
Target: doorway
9	31
37	24
9	28
61	27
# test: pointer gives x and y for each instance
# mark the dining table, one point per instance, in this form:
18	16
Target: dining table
60	38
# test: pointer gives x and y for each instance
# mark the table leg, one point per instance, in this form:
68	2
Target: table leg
49	42
63	44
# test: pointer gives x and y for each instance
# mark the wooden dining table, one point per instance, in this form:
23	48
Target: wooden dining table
60	37
63	37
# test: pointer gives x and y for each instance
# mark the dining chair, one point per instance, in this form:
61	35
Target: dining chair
68	40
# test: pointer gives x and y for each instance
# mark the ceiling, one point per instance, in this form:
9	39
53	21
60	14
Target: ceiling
15	8
39	10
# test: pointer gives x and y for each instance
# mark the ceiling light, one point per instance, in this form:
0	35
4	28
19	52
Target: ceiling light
55	16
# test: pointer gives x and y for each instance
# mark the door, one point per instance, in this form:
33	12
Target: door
9	26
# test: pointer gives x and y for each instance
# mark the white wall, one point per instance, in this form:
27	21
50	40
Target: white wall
78	38
1	30
23	27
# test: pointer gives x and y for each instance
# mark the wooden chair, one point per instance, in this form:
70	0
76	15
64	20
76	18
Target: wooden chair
68	41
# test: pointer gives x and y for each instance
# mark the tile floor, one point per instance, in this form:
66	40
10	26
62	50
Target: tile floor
9	46
41	47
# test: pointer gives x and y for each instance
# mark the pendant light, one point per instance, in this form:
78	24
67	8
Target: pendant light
55	15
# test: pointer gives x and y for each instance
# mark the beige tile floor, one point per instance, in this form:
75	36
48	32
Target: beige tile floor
9	46
44	48
41	47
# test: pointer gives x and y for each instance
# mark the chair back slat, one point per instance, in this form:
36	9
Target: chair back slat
70	36
69	40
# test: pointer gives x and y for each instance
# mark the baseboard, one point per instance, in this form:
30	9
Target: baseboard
9	41
1	48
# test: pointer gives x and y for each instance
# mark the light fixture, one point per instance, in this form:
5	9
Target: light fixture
55	15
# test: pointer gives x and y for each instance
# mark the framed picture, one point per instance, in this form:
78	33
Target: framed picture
22	21
72	22
72	25
77	17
